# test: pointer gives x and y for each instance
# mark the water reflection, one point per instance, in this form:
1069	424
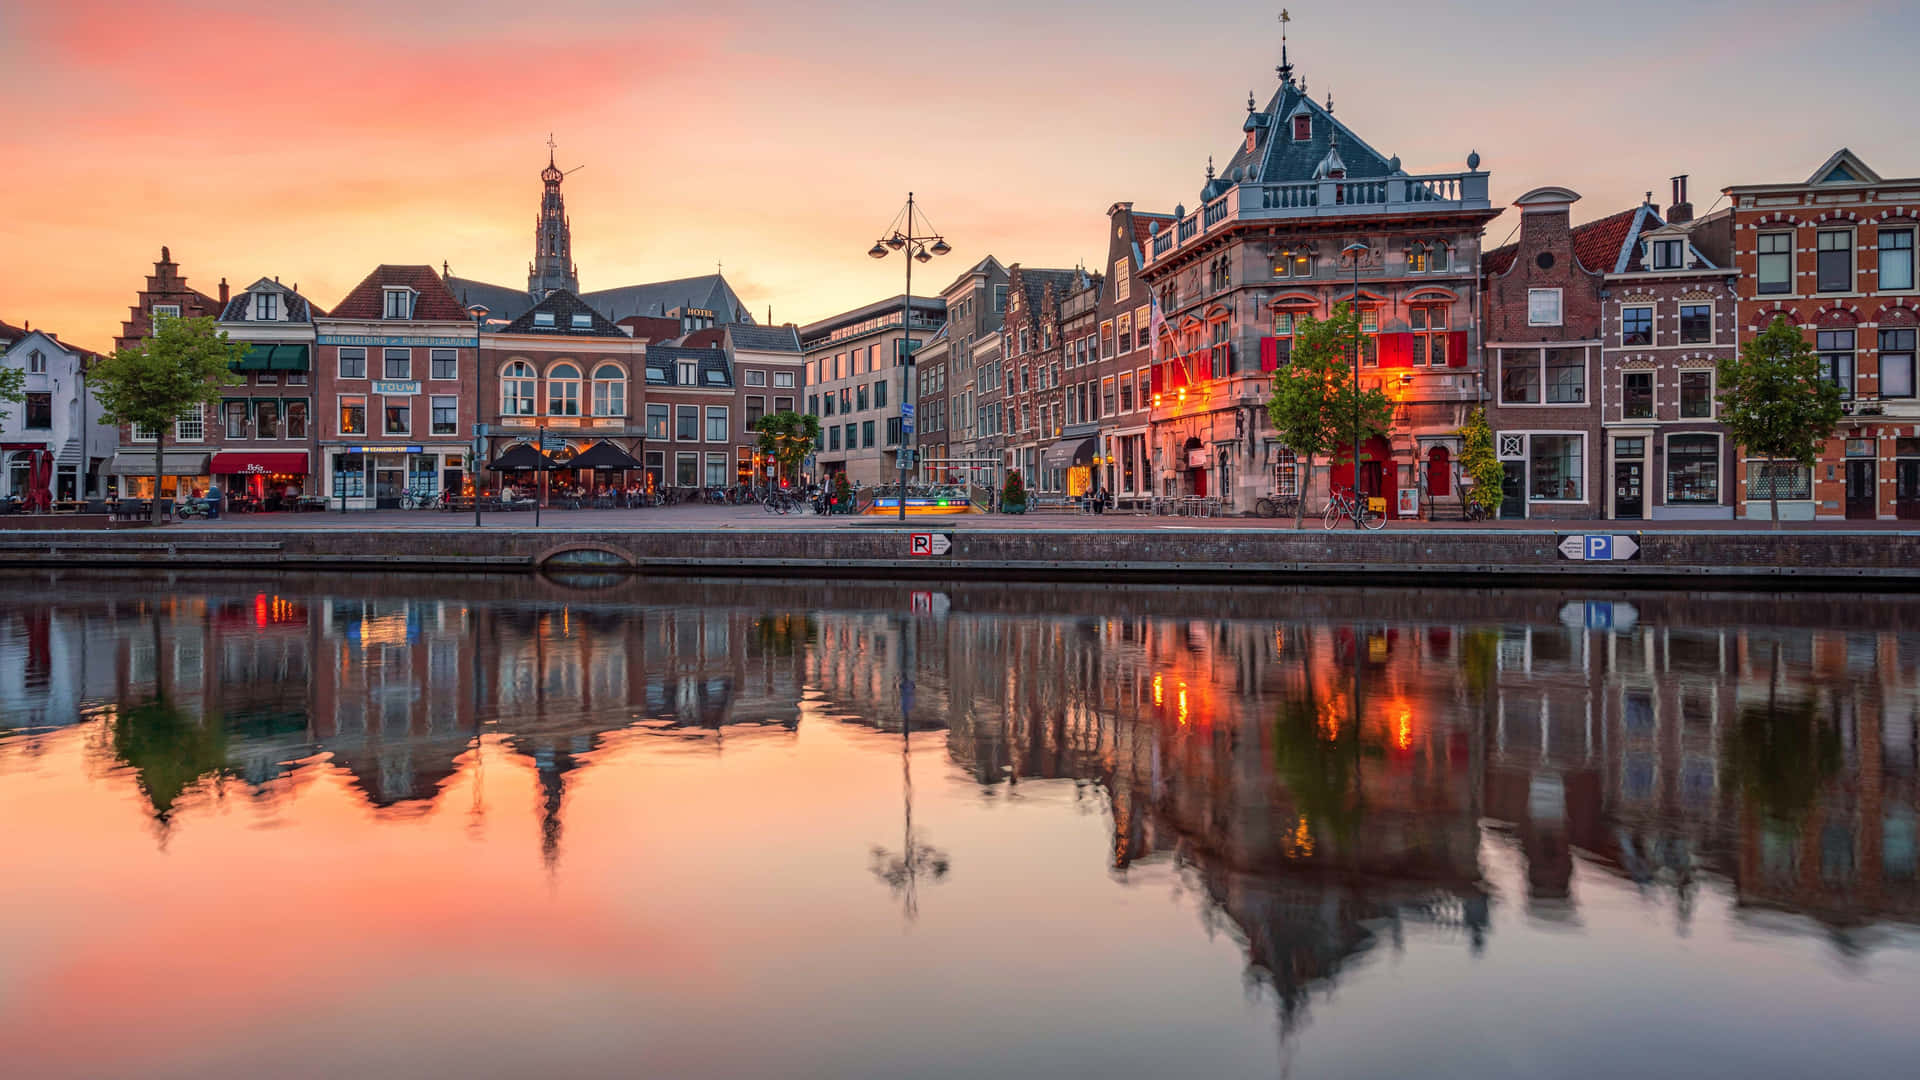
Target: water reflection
1330	774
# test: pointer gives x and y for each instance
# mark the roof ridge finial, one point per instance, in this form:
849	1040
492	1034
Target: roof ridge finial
1285	69
1329	102
1209	167
550	147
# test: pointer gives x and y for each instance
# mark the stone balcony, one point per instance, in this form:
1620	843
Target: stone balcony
1319	200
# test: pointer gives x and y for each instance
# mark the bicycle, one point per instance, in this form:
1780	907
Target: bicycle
417	499
1276	506
1343	503
779	502
1473	511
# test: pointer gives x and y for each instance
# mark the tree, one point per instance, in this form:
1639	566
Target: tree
1013	495
1478	461
13	388
179	368
1315	399
1776	405
788	437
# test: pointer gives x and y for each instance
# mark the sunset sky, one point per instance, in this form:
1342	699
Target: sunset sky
314	141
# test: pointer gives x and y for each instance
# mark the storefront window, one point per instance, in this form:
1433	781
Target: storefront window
1693	469
349	475
1780	480
656	469
423	474
1554	464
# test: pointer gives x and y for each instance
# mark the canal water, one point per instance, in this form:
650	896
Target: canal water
307	826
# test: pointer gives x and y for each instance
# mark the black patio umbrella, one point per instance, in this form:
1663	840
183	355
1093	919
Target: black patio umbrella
521	458
602	455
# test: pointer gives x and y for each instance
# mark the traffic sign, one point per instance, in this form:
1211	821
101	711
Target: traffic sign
906	408
929	544
550	441
1599	547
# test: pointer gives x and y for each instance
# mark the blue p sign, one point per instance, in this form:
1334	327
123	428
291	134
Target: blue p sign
1599	548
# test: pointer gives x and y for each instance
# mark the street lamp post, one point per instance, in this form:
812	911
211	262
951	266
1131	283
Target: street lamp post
1353	252
901	237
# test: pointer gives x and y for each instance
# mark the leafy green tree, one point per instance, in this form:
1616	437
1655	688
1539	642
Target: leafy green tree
178	369
788	437
1776	405
1316	401
13	388
1478	461
1013	496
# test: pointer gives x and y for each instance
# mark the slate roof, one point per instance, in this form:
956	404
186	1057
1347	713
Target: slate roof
651	327
501	301
299	308
667	357
1600	245
1277	158
564	306
710	291
766	338
435	303
1034	283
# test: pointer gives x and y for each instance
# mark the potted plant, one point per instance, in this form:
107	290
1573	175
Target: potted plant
1013	497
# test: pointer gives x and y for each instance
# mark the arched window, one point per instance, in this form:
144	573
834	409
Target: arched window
609	391
563	390
1417	257
516	389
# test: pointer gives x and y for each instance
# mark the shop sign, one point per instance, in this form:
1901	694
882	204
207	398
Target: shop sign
380	449
1197	459
395	387
369	339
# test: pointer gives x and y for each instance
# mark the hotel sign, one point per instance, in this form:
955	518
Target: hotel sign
367	339
395	387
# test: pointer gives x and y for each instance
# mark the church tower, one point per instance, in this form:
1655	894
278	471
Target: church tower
552	266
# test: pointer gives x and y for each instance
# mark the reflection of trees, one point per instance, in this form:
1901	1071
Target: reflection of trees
1317	756
168	750
783	634
1783	751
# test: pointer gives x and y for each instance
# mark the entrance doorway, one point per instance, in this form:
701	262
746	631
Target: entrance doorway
1906	483
1629	499
1513	489
388	485
1862	488
1439	473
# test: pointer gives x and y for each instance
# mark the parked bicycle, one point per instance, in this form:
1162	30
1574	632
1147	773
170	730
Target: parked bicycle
1473	511
780	502
1343	503
418	499
1276	506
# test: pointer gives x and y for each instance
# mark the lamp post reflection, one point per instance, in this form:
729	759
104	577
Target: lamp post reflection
903	870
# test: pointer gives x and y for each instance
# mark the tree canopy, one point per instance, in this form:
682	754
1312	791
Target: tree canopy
178	370
1777	403
788	437
1316	401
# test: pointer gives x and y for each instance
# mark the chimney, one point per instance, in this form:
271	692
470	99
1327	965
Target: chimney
1681	211
223	292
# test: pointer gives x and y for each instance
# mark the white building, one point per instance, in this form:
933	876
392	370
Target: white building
56	411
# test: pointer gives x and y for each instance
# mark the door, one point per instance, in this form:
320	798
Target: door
1439	473
1628	498
1513	489
387	486
1199	481
1906	482
1862	482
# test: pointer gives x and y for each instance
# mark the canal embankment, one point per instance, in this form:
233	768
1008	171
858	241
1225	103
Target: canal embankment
1851	560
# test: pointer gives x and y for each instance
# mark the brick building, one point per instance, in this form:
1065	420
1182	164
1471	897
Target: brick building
692	437
264	429
562	369
976	308
395	376
768	369
187	463
1110	379
1834	256
1033	399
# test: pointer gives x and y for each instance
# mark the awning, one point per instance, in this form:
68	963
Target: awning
519	459
176	463
274	358
1068	452
231	462
601	455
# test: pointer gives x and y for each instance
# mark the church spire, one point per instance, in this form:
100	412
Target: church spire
552	236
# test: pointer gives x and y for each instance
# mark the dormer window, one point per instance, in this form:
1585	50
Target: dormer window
582	321
1302	127
1666	254
266	307
687	370
399	302
543	318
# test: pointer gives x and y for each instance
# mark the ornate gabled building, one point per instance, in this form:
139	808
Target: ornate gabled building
264	430
1033	394
1268	246
184	467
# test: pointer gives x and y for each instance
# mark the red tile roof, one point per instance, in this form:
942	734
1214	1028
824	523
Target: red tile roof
435	302
705	339
1596	244
1143	226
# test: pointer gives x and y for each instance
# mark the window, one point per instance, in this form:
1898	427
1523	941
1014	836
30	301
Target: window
1834	270
783	404
1630	449
853	436
353	363
1566	376
563	390
1636	395
717	429
266	419
756	378
1123	332
716	470
813	372
1696	395
143	433
234	413
1693	469
191	427
1896	363
353	415
1440	258
716	378
1543	307
861	399
543	318
833	437
1416	258
609	391
1836	358
446	364
756	408
399	416
846	399
866	433
686	423
873	357
1122	282
399	302
1302	126
1429	336
686	470
1896	259
162	312
1636	326
582	321
813	404
783	380
1554	467
1782	480
880	395
1126	392
656	421
516	389
1520	377
1294	263
39	411
1106	340
1106	396
1775	268
446	414
1666	254
831	400
37	363
893	427
398	364
999	299
1142	320
296	419
1696	324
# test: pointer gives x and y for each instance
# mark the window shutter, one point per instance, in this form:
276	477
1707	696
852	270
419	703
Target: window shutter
1269	354
1203	368
1158	380
1457	349
1396	350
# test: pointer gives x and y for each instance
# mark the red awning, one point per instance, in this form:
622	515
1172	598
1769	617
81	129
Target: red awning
234	462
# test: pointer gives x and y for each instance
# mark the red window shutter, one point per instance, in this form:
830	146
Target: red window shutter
1203	365
1159	378
1457	349
1396	350
1269	354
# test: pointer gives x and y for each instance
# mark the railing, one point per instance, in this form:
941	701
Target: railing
1216	212
1360	192
1189	228
1289	196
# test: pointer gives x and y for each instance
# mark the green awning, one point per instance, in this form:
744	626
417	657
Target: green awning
258	358
274	358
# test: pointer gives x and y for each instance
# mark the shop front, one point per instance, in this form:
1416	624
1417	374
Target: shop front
1074	458
268	480
183	473
391	477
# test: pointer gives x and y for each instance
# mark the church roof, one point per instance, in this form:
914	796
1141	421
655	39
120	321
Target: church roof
709	291
563	306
